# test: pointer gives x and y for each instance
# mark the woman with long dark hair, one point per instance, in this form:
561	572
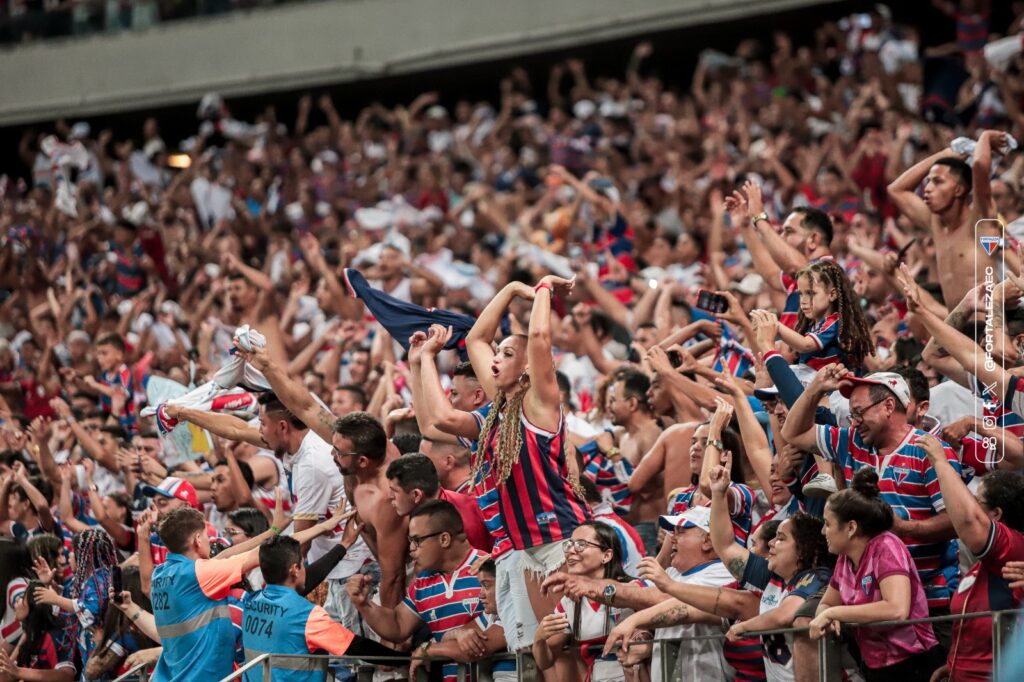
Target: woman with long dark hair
593	551
875	580
120	637
37	656
15	572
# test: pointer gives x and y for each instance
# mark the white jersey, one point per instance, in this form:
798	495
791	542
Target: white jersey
699	659
319	490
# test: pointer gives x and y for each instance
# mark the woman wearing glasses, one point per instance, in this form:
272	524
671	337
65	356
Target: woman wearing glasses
581	627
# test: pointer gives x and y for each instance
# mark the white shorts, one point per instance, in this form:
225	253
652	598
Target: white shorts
513	600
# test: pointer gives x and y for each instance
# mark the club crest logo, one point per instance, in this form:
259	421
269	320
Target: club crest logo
990	244
900	475
866	583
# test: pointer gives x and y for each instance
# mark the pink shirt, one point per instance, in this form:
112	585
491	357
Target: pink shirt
884	556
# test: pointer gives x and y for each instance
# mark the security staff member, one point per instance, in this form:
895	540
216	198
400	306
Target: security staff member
189	596
276	620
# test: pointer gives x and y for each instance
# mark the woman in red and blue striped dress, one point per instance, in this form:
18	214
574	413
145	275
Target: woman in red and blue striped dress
522	455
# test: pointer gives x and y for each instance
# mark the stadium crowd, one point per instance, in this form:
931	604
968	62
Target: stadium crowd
601	365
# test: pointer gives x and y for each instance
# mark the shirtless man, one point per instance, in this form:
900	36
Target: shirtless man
252	301
362	454
629	409
948	211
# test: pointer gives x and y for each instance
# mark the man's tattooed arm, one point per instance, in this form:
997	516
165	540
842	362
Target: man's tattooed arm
673	615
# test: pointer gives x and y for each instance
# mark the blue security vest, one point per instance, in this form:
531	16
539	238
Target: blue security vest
195	631
274	622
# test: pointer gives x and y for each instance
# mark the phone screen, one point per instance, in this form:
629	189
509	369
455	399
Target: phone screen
115	583
711	302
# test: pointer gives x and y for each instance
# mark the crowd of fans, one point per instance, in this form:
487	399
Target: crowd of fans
601	365
27	20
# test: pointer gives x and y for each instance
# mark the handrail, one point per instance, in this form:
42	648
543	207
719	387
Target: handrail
265	659
258	661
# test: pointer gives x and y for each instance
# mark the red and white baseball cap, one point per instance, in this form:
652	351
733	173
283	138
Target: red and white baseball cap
891	380
175	488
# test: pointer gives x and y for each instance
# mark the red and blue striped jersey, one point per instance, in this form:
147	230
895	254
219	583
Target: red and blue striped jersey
606	476
445	602
121	378
131	278
486	492
971	30
537	502
825	334
908	484
741	505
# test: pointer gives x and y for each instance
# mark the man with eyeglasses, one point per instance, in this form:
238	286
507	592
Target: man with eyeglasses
446	592
881	437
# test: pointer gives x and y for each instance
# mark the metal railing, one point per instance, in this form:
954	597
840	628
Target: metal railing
479	671
830	654
139	673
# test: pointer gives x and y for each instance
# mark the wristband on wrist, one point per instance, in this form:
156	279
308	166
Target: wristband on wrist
716	443
275	530
543	285
70	419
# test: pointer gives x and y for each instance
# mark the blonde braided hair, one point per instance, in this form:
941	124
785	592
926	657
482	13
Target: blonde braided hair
509	443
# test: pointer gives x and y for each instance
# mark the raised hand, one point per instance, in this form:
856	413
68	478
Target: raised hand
559	285
719	480
755	202
437	339
766	328
738	208
43	570
650	569
280	518
721	418
911	292
829	378
416	343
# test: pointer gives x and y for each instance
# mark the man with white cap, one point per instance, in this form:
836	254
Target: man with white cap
694	562
881	437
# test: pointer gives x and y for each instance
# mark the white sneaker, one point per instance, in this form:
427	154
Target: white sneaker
821	485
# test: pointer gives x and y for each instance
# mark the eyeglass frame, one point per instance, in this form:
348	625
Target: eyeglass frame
859	418
569	543
415	541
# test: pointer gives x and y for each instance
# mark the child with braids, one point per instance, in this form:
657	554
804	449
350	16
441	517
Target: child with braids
831	329
85	606
521	461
